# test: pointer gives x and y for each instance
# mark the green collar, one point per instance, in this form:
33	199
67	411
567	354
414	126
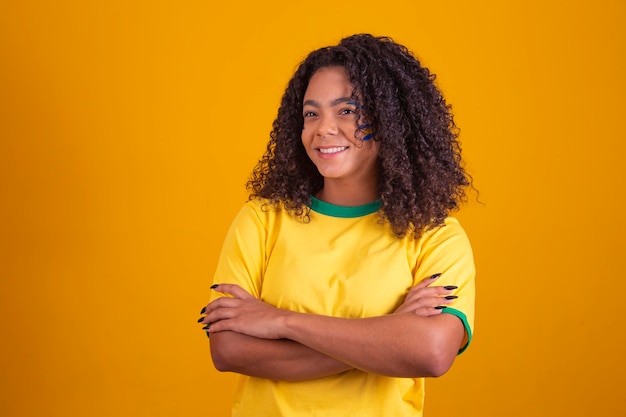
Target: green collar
344	211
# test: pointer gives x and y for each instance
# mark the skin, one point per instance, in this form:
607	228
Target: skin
350	174
254	338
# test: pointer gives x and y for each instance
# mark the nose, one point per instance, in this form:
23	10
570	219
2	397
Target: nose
327	126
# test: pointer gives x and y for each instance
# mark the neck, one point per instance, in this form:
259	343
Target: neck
341	194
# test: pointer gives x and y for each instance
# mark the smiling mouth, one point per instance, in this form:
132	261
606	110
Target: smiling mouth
332	150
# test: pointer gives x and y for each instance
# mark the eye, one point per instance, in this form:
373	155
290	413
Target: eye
347	111
309	114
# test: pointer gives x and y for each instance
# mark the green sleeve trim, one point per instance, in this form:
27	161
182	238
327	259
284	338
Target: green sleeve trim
460	315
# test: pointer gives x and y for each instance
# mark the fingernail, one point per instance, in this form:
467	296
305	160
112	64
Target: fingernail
450	287
437	275
208	335
203	310
206	327
214	286
440	307
450	297
200	319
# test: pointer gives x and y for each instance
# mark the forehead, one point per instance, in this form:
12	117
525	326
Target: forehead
329	82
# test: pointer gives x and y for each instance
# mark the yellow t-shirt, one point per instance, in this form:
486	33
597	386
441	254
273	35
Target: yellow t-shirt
343	263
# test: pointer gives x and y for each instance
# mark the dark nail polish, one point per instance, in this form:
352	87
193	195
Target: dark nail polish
208	335
206	327
214	286
437	275
450	287
203	310
440	307
200	319
450	297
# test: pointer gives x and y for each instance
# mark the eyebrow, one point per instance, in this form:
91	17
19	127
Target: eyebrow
348	100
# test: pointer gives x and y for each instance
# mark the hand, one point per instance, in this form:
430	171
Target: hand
243	314
424	300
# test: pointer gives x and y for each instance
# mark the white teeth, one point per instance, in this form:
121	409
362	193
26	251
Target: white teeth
333	150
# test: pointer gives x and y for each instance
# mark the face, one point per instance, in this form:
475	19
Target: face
330	135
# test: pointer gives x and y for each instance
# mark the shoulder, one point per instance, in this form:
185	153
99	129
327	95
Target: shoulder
261	207
447	240
450	229
261	212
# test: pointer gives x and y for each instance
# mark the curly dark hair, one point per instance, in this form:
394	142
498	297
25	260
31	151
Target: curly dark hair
421	178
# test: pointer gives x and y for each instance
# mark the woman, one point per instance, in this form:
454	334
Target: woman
323	296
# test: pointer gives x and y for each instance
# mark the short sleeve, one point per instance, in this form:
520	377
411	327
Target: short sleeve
447	250
242	259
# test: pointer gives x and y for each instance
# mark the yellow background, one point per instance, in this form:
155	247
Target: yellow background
127	131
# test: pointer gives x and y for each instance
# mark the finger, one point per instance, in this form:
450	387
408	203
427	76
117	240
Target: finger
222	303
212	306
218	314
426	311
232	289
218	326
430	311
425	302
415	292
427	281
436	310
225	319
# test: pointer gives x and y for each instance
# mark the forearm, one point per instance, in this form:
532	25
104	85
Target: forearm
278	359
402	345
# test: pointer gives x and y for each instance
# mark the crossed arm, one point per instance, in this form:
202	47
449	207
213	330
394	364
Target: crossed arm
254	338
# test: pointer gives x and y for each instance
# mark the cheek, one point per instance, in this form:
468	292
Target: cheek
307	132
371	148
305	139
351	131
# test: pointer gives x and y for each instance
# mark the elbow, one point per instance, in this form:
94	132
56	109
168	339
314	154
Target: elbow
442	348
220	361
432	365
439	365
222	355
441	356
